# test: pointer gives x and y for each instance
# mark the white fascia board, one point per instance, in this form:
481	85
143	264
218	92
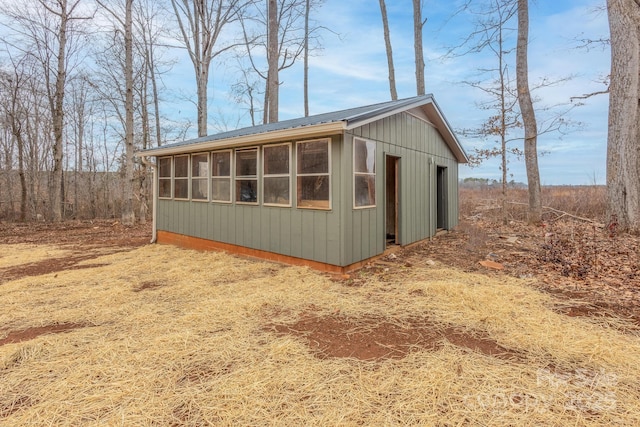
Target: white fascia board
299	133
375	117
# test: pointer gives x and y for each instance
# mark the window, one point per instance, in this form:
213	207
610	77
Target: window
164	177
276	181
364	173
200	176
313	167
247	176
181	177
221	176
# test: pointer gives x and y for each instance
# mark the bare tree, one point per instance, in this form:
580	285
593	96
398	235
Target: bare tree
387	43
201	24
418	25
492	34
278	34
126	26
307	12
623	144
150	25
13	85
528	114
272	91
47	30
247	91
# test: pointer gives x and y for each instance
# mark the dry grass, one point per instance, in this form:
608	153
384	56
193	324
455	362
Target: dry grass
587	201
177	337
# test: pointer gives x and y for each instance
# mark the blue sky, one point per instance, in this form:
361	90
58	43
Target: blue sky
351	70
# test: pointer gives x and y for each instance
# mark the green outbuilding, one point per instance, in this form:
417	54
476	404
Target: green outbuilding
330	191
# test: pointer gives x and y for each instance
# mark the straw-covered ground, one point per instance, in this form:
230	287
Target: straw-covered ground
123	333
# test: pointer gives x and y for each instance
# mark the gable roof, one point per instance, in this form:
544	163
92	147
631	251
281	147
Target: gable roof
317	125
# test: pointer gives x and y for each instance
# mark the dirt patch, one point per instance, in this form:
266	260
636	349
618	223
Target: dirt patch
377	339
94	233
52	265
31	333
78	236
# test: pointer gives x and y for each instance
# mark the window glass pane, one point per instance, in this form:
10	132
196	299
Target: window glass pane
364	153
247	190
221	164
164	188
246	163
200	165
365	190
313	191
313	157
199	189
181	166
221	189
181	189
276	160
164	167
276	190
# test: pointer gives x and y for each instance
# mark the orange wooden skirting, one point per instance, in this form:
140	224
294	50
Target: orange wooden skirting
189	242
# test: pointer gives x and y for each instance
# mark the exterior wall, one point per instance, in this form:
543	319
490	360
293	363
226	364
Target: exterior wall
421	150
302	233
343	235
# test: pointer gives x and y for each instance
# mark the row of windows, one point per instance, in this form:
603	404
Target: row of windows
227	175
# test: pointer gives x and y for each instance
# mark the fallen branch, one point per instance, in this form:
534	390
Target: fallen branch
562	214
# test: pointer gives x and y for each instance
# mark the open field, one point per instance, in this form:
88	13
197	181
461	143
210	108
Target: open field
102	329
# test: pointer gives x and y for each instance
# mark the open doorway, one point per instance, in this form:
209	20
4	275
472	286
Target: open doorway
442	199
392	191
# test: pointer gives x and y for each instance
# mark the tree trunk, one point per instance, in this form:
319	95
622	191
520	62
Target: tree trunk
503	122
418	23
202	83
623	143
387	43
272	58
23	182
306	58
58	117
528	115
156	99
128	214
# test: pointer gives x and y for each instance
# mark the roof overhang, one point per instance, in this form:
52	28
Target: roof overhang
440	122
331	126
434	114
306	132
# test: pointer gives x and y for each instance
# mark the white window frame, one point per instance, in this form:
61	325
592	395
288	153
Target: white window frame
367	174
327	174
204	178
229	177
255	177
166	178
187	178
287	175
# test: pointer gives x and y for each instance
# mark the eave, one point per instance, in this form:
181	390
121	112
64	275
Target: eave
304	132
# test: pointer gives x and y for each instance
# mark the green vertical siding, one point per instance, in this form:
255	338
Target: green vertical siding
304	233
420	149
342	235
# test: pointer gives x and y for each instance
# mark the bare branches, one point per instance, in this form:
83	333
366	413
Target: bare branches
201	25
589	95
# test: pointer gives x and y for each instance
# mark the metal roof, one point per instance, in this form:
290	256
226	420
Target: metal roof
329	123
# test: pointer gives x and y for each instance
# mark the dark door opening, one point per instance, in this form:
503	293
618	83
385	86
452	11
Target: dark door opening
392	192
441	199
